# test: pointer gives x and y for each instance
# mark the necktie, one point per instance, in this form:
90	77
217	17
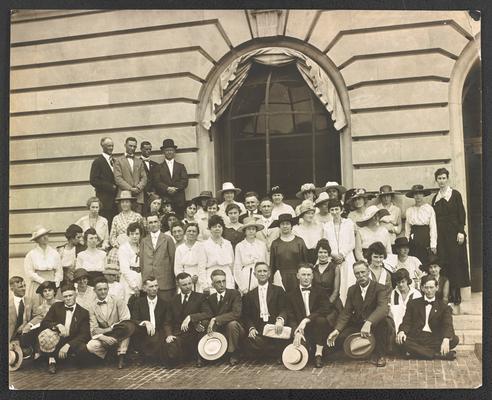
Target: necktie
69	309
306	289
111	161
429	303
100	303
20	314
129	156
185	299
221	297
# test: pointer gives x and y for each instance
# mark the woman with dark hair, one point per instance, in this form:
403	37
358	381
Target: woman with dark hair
232	232
401	295
129	261
326	273
68	252
93	260
190	212
357	203
177	233
211	208
376	253
451	237
94	220
219	253
167	221
433	268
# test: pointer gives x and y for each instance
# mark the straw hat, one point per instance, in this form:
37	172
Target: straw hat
15	356
306	206
417	189
80	273
333	185
228	187
125	195
212	346
38	232
322	198
48	339
251	222
283	218
370	212
360	192
387	189
357	347
295	358
307	187
111	269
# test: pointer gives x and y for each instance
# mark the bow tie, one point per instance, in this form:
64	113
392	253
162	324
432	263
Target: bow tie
145	159
429	303
69	309
100	303
129	156
306	288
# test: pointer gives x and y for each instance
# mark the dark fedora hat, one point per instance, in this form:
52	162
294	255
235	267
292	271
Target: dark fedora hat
401	242
417	189
284	218
275	190
386	189
46	285
168	143
204	194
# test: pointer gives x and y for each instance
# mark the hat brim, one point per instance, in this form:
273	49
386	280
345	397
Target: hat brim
381	212
300	365
393	193
341	189
200	198
411	194
169	147
300	194
14	346
42	345
42	232
276	223
235	190
304	212
41	287
259	227
367	196
125	198
203	341
367	353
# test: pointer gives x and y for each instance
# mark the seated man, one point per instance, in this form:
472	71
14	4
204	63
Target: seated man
307	308
71	321
427	328
20	313
149	313
109	323
225	308
366	309
185	322
265	304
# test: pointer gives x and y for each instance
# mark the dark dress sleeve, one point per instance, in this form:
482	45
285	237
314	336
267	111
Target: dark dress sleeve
461	217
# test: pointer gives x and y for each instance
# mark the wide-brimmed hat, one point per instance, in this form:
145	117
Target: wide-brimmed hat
269	330
387	189
275	190
168	143
228	187
125	195
46	285
282	218
306	206
370	212
401	242
295	358
39	231
111	269
355	346
322	198
417	189
360	192
333	185
306	187
205	194
48	339
15	356
80	273
212	346
250	221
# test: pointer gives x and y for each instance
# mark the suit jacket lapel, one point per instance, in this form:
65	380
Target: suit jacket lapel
268	296
160	239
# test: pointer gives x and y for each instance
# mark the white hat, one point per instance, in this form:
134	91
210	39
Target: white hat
306	187
295	358
227	187
323	197
39	231
328	185
306	205
248	222
212	346
15	356
370	212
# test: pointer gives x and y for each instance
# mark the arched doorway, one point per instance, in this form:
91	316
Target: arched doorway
472	132
277	132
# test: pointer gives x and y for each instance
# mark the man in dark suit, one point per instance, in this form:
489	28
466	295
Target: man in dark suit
149	314
225	312
265	304
170	179
102	178
366	311
427	329
185	322
149	165
129	173
71	321
251	202
157	258
307	308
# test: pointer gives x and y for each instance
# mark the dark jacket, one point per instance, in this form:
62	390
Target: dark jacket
79	333
277	307
196	308
102	178
161	180
440	319
230	309
319	305
140	312
149	187
373	308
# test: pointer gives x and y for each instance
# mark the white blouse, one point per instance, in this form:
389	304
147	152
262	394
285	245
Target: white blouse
411	264
86	299
191	260
247	255
128	259
101	226
381	234
43	260
423	215
398	306
311	234
220	255
91	260
341	237
392	221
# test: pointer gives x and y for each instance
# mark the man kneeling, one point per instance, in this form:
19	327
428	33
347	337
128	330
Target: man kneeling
427	328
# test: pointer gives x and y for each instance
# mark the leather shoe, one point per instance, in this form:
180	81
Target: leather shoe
121	361
449	357
234	360
378	361
318	361
199	362
52	368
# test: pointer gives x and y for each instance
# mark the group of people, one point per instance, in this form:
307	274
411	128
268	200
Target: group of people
148	270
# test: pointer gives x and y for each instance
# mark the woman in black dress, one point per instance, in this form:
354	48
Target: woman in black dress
451	238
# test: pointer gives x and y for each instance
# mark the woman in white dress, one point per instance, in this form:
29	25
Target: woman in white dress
403	260
370	232
93	260
309	230
392	222
85	294
248	252
219	253
129	261
43	263
94	220
340	233
376	254
190	257
401	295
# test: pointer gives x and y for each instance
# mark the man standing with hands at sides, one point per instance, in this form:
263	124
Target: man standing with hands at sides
265	304
146	150
225	312
427	328
102	179
365	311
267	235
129	173
170	179
71	321
185	323
157	258
149	313
307	308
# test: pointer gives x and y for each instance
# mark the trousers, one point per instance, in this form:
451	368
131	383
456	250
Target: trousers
427	345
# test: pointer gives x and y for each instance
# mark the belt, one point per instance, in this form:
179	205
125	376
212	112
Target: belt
136	269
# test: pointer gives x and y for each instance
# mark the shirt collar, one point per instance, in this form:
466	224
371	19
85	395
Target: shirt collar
18	299
169	161
154	300
446	195
107	156
307	287
433	299
221	294
105	299
265	286
145	158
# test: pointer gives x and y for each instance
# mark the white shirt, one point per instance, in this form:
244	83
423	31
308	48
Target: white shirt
154	236
108	159
219	295
130	160
305	297
104	307
185	296
170	165
262	294
152	304
428	309
446	196
146	161
17	301
363	291
422	215
68	317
